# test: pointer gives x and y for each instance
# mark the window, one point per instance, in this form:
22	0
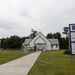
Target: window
52	46
73	27
56	46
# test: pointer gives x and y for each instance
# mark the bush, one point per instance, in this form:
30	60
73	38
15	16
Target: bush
67	52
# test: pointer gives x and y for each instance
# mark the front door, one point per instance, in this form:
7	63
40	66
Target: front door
40	46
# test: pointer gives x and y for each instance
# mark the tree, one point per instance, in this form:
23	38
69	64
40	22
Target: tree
33	34
4	43
63	43
23	39
15	42
49	35
57	35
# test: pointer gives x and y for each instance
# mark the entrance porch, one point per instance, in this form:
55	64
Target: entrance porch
40	46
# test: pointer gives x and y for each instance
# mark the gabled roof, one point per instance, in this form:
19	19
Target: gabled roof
54	41
27	41
39	35
38	40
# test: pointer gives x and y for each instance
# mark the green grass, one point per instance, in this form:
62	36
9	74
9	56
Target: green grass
53	63
9	55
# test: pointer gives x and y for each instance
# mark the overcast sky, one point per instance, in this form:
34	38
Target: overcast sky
18	17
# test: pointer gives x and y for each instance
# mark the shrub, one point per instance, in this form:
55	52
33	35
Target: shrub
67	52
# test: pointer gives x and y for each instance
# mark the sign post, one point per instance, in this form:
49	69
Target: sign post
72	39
25	50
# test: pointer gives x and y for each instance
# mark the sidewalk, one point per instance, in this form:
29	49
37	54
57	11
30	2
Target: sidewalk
20	66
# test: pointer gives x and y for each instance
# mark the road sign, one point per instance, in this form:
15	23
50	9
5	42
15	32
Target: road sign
72	38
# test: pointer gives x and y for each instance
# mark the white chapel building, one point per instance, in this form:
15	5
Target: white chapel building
41	43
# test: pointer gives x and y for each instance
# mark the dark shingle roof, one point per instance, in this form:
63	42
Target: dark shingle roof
54	41
27	41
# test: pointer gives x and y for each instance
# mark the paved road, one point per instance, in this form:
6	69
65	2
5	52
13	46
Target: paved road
20	66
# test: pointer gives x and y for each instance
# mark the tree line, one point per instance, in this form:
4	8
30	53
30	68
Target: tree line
15	42
63	42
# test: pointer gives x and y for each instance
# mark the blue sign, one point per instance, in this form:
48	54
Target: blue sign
72	38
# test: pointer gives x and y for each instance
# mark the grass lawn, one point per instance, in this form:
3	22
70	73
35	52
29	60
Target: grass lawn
9	55
53	63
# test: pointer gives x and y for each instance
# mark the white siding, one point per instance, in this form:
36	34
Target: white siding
39	40
48	44
55	47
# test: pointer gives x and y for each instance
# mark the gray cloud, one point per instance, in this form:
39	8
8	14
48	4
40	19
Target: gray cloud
19	16
24	12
